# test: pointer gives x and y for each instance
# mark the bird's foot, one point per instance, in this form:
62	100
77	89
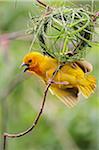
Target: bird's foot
60	83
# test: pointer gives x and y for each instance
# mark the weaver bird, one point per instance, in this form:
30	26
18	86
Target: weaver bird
71	80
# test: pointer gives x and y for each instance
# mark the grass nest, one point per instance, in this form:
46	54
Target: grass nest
63	33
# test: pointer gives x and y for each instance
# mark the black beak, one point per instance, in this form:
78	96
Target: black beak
26	65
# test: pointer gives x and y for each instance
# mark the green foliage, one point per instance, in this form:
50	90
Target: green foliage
63	33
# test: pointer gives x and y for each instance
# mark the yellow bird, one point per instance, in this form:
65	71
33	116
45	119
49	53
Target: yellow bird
71	80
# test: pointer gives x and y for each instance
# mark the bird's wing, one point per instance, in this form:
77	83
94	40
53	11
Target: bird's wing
85	66
68	96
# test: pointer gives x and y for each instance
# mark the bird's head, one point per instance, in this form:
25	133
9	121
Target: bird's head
31	61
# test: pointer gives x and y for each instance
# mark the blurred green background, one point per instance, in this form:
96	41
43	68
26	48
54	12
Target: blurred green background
59	128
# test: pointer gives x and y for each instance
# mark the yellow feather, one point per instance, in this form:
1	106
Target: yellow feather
68	96
70	80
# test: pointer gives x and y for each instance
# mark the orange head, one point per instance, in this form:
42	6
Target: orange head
32	61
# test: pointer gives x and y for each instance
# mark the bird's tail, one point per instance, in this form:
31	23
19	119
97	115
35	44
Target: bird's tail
88	86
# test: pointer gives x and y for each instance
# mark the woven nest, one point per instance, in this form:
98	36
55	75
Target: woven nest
64	33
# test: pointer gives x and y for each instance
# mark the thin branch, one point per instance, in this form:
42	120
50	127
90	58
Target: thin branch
7	135
3	99
13	35
96	16
4	119
14	82
41	3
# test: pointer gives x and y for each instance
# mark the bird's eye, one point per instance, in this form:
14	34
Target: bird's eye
30	61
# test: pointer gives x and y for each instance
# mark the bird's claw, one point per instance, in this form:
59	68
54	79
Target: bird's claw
55	82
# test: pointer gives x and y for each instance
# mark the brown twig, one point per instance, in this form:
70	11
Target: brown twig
43	4
16	35
96	16
3	99
12	84
13	35
7	135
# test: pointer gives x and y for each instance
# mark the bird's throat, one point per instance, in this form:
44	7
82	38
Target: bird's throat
36	70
